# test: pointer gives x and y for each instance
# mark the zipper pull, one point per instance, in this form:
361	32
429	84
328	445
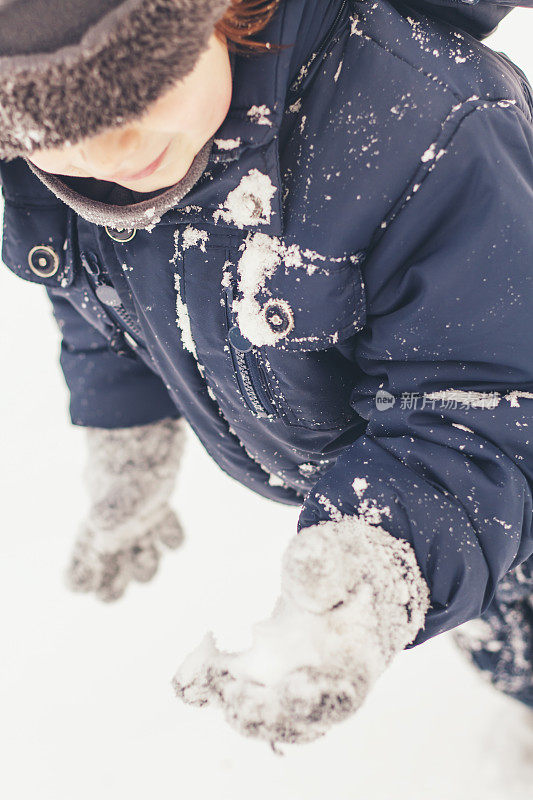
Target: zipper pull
91	265
107	294
236	339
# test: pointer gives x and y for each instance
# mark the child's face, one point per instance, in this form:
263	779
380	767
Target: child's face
179	123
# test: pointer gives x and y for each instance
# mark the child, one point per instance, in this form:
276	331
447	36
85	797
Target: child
317	253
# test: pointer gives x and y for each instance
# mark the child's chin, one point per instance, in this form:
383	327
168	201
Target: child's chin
163	178
154	183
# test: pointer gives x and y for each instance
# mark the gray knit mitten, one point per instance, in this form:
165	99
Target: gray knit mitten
352	598
130	474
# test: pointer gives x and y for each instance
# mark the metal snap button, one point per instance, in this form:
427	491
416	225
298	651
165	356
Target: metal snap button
279	316
43	260
120	234
108	295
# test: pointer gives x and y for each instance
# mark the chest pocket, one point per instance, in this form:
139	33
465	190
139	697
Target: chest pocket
282	327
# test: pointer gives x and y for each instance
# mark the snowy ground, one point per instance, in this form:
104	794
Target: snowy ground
86	706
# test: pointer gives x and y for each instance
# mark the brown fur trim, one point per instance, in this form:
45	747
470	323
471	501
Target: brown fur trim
121	66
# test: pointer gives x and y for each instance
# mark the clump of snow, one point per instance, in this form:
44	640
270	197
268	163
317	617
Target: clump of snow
183	319
368	509
226	274
462	427
304	69
250	202
506	525
360	485
228	144
307	470
352	597
512	397
191	237
330	508
276	480
259	260
189	209
260	114
355	30
371	512
404	104
429	153
296	106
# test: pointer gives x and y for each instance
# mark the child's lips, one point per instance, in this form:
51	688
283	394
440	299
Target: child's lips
146	171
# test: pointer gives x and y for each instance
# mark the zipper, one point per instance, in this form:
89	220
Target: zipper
92	267
249	372
304	69
127	319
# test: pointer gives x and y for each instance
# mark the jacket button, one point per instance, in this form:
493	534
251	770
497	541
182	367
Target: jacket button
120	234
43	261
108	295
279	317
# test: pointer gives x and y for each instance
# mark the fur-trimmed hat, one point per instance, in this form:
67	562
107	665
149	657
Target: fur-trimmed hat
70	69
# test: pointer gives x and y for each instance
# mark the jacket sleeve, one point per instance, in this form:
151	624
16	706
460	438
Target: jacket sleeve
106	390
479	18
446	461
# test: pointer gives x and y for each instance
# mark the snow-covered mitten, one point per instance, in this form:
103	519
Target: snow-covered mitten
499	643
352	597
130	474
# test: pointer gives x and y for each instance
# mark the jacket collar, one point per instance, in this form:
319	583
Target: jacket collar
245	144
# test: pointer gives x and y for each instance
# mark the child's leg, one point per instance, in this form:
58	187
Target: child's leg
500	642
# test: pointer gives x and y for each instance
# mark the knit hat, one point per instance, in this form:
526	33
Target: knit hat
70	69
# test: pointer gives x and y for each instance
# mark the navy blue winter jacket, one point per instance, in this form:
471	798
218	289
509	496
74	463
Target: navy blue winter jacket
342	305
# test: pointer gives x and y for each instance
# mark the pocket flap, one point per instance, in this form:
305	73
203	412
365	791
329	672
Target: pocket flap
296	300
31	254
35	228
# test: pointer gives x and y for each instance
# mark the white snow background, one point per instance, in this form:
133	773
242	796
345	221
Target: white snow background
86	706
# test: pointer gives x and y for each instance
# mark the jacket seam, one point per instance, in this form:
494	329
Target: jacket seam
433	78
419	176
420	70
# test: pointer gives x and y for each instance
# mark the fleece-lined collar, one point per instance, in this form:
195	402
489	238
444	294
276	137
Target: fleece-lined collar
249	134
